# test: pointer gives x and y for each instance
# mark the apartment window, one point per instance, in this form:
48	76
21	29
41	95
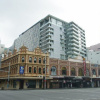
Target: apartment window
35	60
30	59
34	69
39	60
61	36
39	70
23	59
30	69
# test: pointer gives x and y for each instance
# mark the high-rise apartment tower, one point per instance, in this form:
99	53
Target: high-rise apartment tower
61	39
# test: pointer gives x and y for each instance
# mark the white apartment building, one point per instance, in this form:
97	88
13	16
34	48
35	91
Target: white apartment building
2	48
93	54
61	39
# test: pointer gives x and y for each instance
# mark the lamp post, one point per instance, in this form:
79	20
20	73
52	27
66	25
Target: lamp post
98	72
45	72
91	75
8	74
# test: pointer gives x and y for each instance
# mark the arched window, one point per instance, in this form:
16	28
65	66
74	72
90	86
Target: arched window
93	72
80	72
39	70
44	61
63	70
53	70
99	72
23	59
72	71
39	60
34	69
30	69
87	72
35	60
30	59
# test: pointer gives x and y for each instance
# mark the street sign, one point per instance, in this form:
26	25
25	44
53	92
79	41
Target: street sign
21	71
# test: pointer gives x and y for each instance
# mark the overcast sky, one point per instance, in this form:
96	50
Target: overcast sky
16	16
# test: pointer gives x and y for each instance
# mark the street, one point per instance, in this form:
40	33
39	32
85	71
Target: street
51	94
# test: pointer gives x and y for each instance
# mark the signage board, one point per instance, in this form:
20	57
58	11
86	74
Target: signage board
21	70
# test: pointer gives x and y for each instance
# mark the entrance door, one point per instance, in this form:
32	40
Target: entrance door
21	84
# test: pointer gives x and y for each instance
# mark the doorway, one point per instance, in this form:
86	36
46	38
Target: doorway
21	84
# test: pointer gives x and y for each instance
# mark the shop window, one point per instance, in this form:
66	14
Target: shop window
39	70
99	72
14	83
53	70
39	60
32	84
23	59
80	72
63	71
73	72
30	69
93	72
30	59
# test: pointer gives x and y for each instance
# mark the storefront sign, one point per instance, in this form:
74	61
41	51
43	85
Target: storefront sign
21	71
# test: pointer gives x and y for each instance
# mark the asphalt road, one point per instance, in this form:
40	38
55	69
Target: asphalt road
51	94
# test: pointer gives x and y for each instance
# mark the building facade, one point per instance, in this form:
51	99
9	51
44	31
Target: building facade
27	71
2	48
61	39
93	54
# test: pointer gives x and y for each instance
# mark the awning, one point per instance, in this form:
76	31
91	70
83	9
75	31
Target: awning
25	78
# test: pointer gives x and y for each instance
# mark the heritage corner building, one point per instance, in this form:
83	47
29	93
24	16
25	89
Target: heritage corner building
27	71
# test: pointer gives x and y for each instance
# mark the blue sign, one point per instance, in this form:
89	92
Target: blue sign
21	71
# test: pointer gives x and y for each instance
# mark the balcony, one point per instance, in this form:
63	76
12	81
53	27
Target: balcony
47	30
73	32
73	44
73	36
73	40
45	25
76	49
76	53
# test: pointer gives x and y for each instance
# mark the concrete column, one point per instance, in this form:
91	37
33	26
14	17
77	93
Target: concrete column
37	84
25	86
25	68
18	69
76	71
48	84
